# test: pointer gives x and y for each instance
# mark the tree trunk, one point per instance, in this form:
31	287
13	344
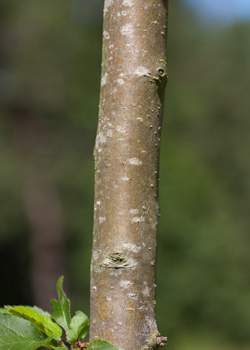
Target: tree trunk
126	182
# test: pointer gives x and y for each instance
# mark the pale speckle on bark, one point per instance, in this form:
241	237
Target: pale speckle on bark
146	291
141	71
134	211
120	81
135	161
125	178
127	29
125	284
138	219
106	35
132	247
104	79
106	5
121	129
102	219
128	3
110	133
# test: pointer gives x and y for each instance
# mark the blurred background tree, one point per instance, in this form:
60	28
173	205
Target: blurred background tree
50	56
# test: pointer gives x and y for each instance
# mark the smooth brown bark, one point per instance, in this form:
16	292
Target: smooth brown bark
127	147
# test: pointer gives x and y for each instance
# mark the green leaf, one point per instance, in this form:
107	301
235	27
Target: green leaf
61	308
101	345
43	323
40	311
79	326
4	311
19	334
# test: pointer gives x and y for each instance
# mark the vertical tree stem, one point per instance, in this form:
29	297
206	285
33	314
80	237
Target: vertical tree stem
126	181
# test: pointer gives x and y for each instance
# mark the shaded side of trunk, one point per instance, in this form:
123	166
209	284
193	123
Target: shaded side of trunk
127	147
41	205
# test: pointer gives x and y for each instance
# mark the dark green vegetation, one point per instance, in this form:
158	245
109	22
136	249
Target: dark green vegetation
29	328
50	72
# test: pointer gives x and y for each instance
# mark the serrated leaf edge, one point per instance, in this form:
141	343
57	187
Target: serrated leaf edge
60	293
42	327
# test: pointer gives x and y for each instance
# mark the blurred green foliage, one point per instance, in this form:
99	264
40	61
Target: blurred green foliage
50	64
